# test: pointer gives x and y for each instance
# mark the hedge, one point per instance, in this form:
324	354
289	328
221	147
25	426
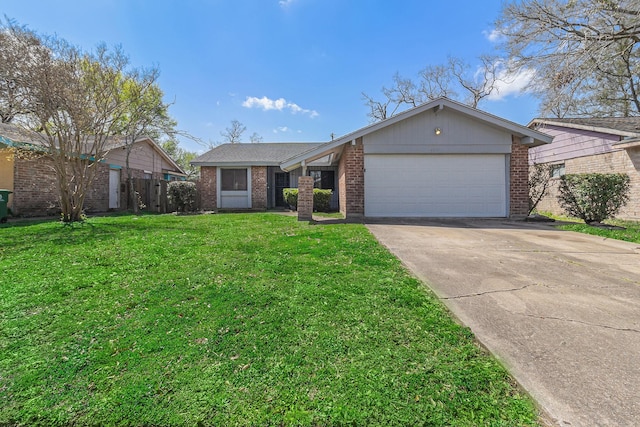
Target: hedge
321	199
182	194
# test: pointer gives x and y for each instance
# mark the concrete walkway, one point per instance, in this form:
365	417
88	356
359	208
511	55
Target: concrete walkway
560	309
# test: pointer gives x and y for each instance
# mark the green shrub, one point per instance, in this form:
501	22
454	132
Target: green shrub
593	197
321	199
290	197
182	194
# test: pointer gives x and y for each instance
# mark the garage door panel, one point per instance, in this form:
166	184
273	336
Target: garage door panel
435	185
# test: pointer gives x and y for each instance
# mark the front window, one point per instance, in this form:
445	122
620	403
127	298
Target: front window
233	180
324	180
557	170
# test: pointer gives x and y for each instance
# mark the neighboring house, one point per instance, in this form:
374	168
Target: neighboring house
441	159
33	181
589	145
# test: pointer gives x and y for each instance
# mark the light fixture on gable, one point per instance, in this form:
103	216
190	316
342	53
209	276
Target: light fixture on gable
437	131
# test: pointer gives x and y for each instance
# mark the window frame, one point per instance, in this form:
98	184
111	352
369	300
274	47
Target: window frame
558	170
236	184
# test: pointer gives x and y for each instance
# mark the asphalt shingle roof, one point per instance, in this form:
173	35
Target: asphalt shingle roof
19	135
624	124
260	154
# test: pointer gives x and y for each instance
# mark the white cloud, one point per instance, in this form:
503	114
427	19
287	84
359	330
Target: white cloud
494	35
280	129
285	3
279	104
511	83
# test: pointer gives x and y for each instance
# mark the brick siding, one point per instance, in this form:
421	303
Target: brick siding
35	191
622	161
305	198
97	198
351	180
518	179
258	187
207	188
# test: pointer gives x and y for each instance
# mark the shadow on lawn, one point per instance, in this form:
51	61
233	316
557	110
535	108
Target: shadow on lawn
483	223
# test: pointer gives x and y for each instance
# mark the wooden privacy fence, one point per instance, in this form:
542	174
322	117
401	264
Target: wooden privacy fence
152	193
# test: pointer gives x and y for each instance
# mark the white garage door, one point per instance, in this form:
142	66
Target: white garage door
457	185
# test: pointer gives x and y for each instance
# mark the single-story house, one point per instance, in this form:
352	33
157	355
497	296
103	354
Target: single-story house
590	145
33	182
440	159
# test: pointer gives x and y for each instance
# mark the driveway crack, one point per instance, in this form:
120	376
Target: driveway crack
562	319
496	291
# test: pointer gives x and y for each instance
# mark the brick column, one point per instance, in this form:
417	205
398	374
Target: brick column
351	180
305	198
208	189
519	179
259	187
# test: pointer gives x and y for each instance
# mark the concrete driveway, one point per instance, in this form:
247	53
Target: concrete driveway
560	309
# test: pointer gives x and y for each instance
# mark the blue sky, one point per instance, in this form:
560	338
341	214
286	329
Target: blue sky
290	70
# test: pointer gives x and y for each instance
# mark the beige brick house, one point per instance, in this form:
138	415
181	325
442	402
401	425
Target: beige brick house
440	159
33	182
589	145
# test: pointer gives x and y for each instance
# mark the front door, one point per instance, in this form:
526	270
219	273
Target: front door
282	182
114	188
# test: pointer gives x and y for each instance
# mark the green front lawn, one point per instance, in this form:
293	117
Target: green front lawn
231	319
630	231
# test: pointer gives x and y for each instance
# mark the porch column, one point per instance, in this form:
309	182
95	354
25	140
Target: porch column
305	198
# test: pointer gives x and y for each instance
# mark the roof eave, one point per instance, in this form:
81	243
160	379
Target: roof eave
599	129
628	143
235	164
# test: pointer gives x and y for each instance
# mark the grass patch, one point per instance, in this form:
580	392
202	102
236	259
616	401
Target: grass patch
333	215
232	319
630	231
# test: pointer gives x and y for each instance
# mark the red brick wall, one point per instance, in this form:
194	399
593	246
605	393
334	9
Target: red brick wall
97	198
342	185
351	180
519	179
258	187
36	190
305	198
207	188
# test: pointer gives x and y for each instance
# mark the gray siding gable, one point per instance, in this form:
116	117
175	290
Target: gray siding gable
459	134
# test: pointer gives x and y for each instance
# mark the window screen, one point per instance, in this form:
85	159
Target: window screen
233	179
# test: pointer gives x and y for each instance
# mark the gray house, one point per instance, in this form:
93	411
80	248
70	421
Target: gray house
441	159
249	175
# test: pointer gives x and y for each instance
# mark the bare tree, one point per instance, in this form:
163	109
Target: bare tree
255	138
584	52
233	133
378	110
539	180
477	85
435	81
18	47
